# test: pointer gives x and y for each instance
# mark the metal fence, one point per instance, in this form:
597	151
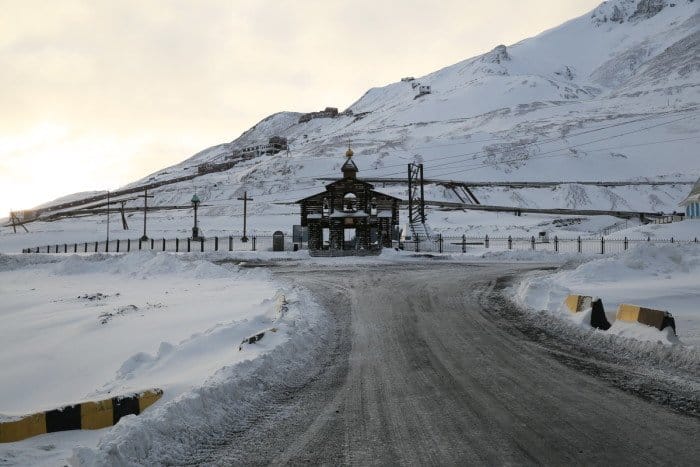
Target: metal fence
437	244
181	245
601	245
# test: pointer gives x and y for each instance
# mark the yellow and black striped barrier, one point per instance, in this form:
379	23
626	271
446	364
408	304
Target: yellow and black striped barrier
83	416
655	318
578	303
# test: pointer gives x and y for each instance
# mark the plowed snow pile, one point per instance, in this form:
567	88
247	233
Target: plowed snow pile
664	277
92	327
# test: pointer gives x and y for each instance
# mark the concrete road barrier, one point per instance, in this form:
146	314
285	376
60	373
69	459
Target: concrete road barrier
91	415
578	303
655	318
255	338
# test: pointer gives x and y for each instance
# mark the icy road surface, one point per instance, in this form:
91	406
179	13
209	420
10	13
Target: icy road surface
425	370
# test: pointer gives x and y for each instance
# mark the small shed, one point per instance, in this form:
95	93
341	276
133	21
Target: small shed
424	89
350	217
692	202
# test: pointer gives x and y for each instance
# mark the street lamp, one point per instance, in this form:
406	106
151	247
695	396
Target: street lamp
195	229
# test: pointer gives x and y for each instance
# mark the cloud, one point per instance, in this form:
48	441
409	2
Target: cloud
156	81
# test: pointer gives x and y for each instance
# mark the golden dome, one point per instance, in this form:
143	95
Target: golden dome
349	153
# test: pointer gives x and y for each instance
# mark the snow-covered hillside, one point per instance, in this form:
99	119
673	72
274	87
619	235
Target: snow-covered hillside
611	95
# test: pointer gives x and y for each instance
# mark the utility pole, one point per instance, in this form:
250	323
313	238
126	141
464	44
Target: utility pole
145	197
245	200
107	247
15	222
422	197
125	226
410	194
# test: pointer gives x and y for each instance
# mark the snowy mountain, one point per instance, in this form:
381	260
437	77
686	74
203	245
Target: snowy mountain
611	95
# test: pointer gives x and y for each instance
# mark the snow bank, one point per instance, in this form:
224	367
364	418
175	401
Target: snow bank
86	327
665	277
228	399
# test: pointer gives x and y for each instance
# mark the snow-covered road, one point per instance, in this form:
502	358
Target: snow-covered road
426	365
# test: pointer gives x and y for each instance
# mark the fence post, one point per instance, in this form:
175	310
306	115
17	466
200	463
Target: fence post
440	243
626	243
216	243
510	242
96	245
65	248
48	248
254	239
532	242
117	245
139	244
177	245
107	247
579	243
602	245
201	244
556	244
464	243
417	244
37	248
230	243
56	248
152	243
128	244
163	244
188	244
671	239
486	241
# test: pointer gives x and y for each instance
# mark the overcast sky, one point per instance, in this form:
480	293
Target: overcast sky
97	93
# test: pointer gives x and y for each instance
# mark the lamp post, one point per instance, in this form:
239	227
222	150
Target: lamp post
195	229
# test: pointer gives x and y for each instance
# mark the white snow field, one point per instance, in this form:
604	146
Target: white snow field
91	327
664	277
